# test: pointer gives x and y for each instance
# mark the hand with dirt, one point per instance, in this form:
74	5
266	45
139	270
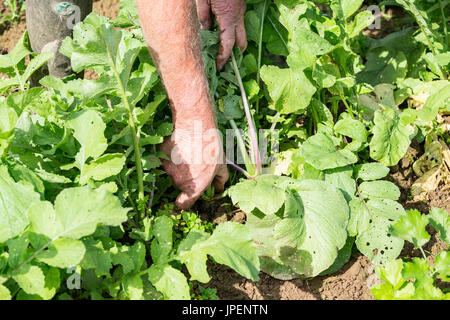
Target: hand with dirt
230	18
196	157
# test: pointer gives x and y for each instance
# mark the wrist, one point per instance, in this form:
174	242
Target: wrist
197	113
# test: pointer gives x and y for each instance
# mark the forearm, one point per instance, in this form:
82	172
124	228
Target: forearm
172	34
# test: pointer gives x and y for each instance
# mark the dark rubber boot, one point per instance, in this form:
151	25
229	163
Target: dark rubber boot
48	23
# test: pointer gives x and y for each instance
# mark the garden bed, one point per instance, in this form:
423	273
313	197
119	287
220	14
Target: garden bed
352	281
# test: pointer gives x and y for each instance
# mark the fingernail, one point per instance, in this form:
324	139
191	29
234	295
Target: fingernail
183	201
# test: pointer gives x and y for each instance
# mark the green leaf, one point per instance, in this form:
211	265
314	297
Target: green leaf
419	269
325	232
371	222
438	100
412	228
231	244
164	129
137	253
35	64
290	12
383	66
342	179
379	189
103	167
8	120
440	221
96	257
391	137
77	213
289	89
370	171
252	25
128	14
310	42
30	278
163	242
361	21
359	217
351	128
17	250
320	151
290	231
133	287
396	287
21	99
322	77
89	130
121	256
377	243
386	292
252	194
15	199
63	253
442	265
343	257
20	51
24	175
387	208
52	283
5	294
345	8
392	273
89	46
169	281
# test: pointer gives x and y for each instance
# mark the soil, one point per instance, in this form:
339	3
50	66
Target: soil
9	35
352	282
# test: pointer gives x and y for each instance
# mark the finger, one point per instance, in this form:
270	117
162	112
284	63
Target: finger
227	40
221	178
241	36
204	14
185	201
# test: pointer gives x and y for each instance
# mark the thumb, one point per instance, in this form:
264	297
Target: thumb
185	201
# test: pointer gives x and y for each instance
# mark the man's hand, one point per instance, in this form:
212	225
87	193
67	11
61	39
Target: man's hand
196	157
195	150
230	17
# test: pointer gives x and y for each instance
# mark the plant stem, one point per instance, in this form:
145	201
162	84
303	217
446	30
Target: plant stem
137	152
444	22
237	168
152	193
275	121
242	149
251	127
423	253
261	30
30	258
22	86
278	32
362	200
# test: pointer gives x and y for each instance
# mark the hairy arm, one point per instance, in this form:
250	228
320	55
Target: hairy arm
171	30
172	34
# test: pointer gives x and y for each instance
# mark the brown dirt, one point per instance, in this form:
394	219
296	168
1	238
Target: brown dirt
353	281
9	35
403	176
12	34
350	283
